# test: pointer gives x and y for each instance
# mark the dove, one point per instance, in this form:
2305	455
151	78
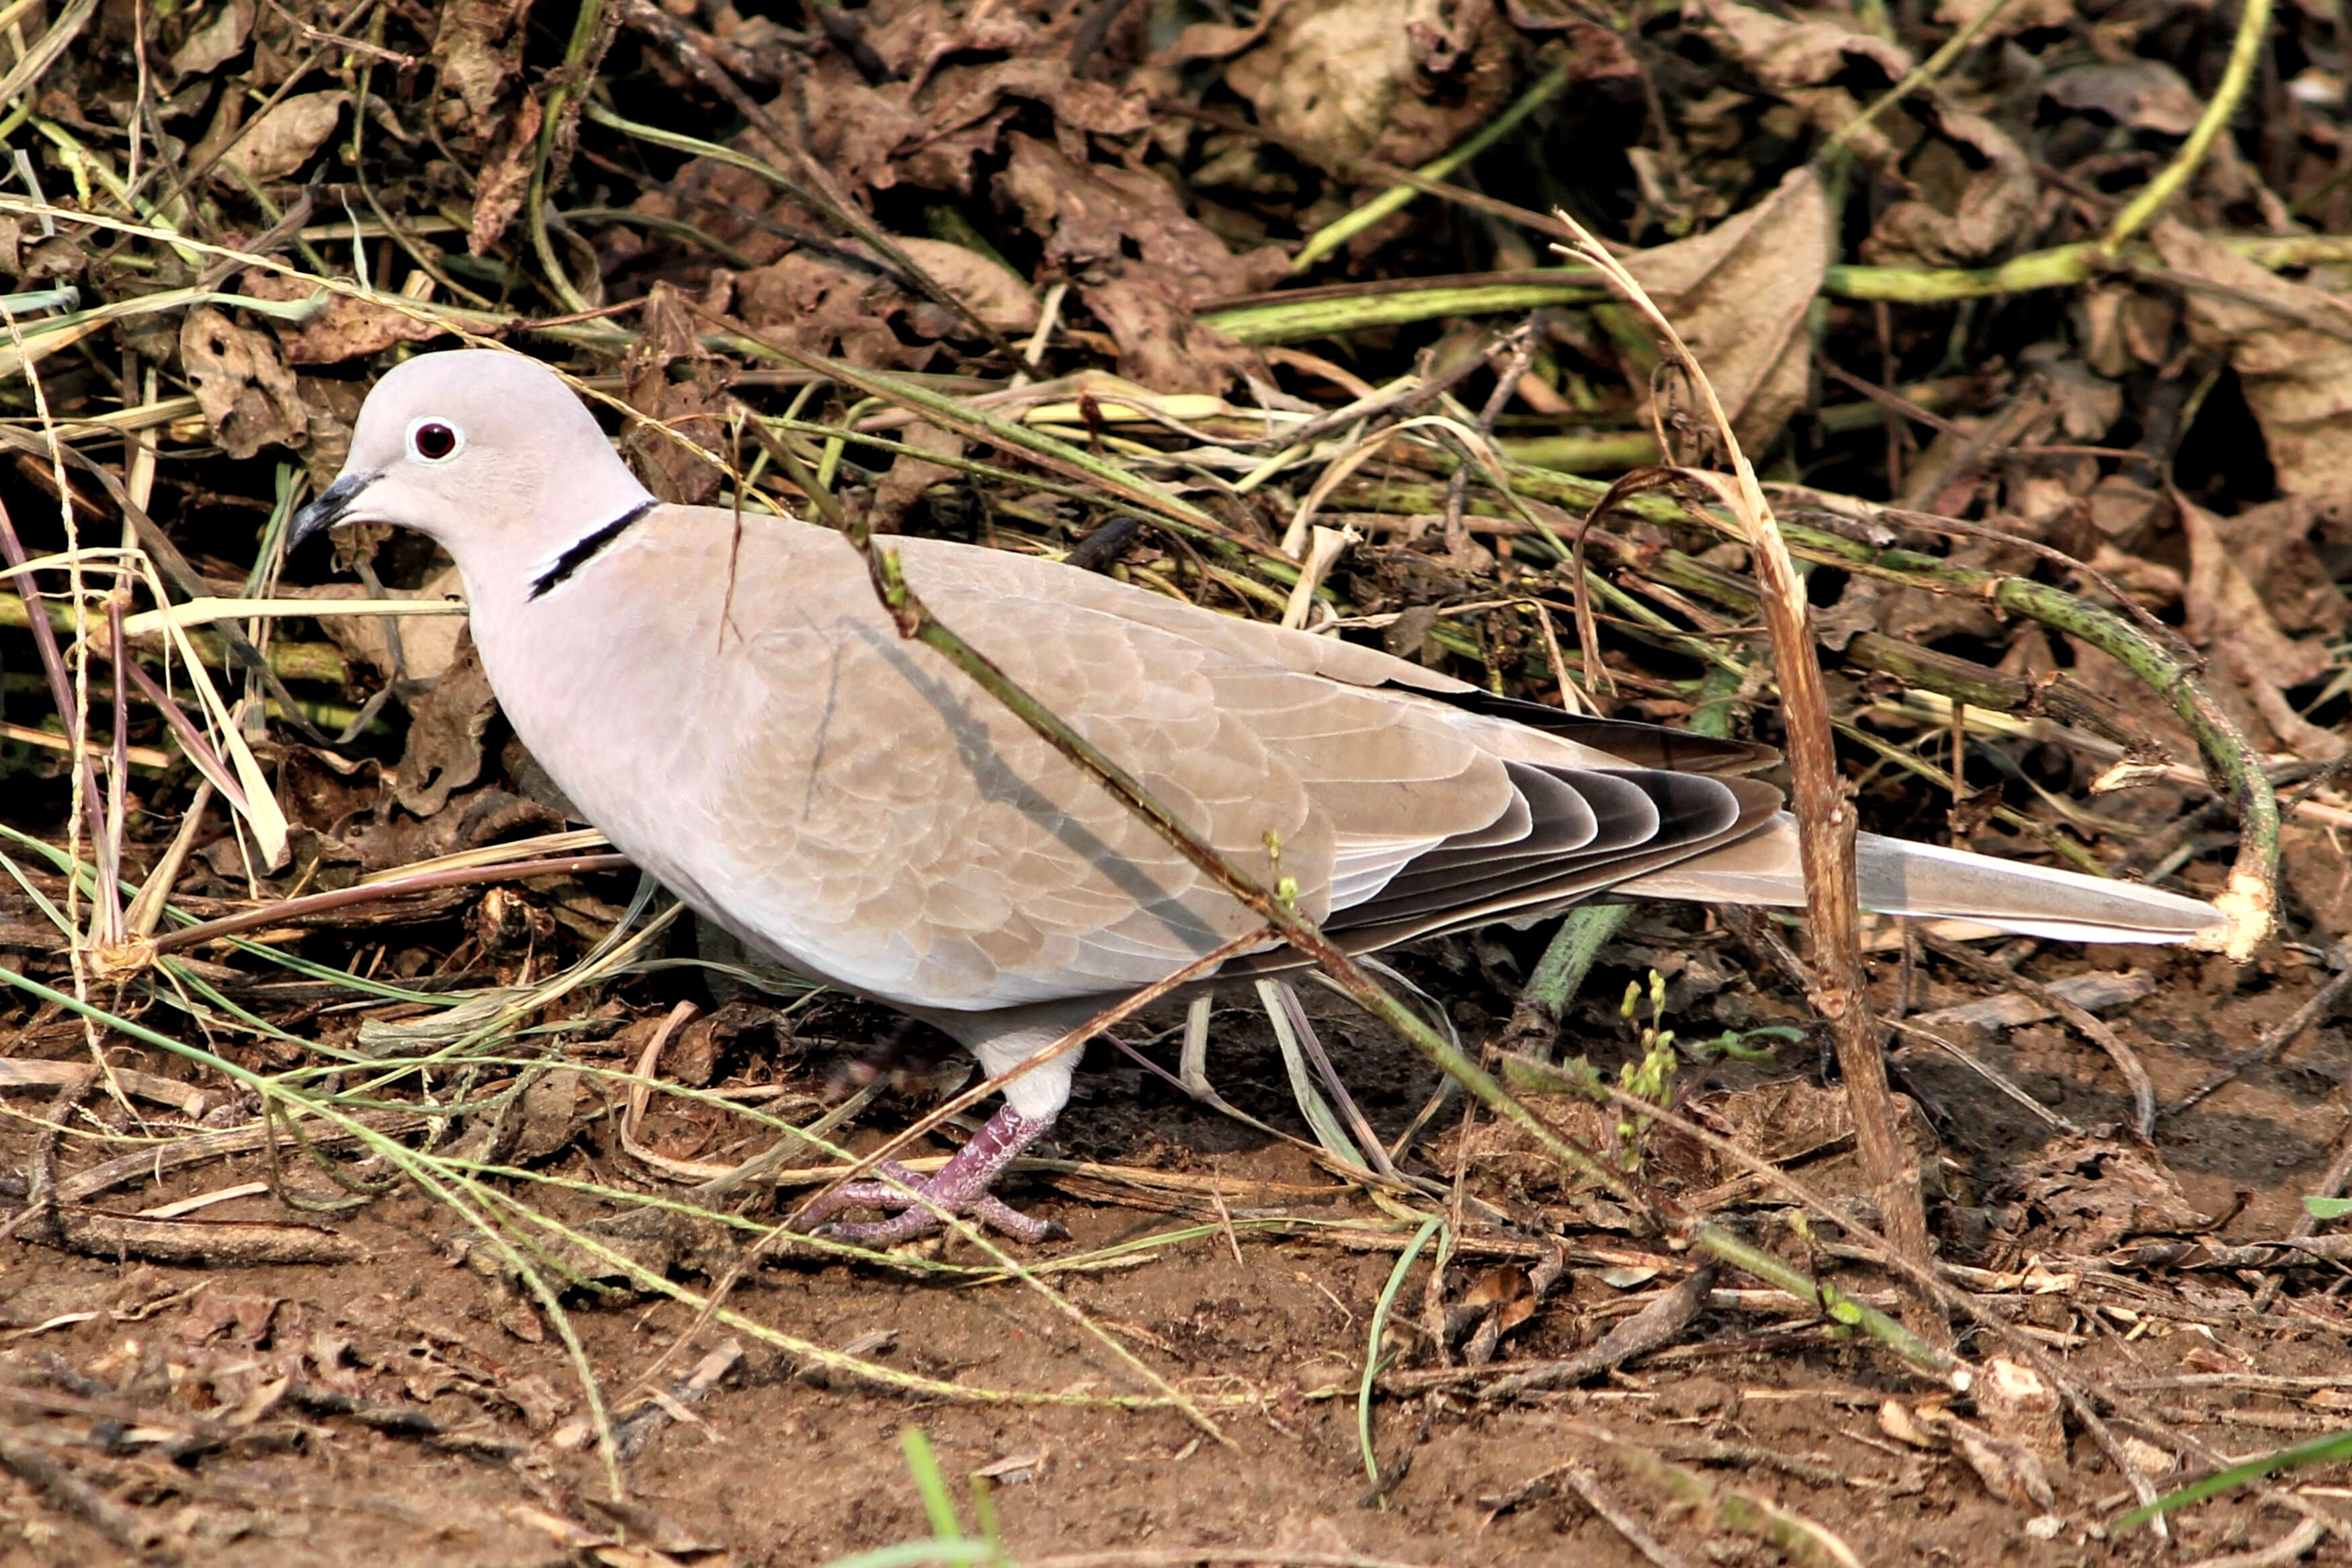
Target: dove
725	697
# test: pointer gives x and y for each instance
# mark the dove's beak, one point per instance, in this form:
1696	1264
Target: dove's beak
329	508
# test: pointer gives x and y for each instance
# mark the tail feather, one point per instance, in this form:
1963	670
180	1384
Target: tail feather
1899	877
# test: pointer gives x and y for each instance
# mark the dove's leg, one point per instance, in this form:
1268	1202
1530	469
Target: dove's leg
1004	1041
961	1187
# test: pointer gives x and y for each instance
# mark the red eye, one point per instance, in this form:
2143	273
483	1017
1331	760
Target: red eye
434	441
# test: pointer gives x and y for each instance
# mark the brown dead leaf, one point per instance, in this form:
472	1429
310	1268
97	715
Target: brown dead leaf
1401	81
477	48
347	329
1740	294
1817	65
2224	605
2320	872
826	307
247	394
1219	40
2097	1192
2298	381
686	406
241	1320
2145	94
1975	191
2010	1471
547	1105
1160	346
505	180
2122	327
913	37
444	753
217	42
1091	214
1505	1292
909	476
2016	16
428	643
283	139
959	99
994	291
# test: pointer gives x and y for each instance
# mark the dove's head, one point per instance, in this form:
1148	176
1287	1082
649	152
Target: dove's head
491	454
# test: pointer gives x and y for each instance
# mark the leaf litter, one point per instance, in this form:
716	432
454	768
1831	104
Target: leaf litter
2067	477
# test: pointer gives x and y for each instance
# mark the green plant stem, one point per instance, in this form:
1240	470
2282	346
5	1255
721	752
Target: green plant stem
1376	1332
1280	320
1288	321
1396	198
2245	53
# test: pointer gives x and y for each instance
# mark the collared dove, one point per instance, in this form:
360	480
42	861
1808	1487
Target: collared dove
725	697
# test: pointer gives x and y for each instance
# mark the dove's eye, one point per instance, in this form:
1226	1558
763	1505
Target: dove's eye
432	441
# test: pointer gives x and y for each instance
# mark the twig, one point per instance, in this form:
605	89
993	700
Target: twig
1825	815
371	892
2273	1045
69	1491
2127	1061
2245	51
1654	1328
1582	1483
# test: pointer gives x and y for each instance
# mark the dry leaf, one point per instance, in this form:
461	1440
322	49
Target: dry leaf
2096	1192
2016	16
215	43
1976	191
2145	94
993	291
283	139
1160	346
428	643
247	394
2010	1471
2225	605
477	48
1740	294
827	307
504	182
347	329
672	405
444	753
1096	215
1817	65
1400	79
909	476
2298	381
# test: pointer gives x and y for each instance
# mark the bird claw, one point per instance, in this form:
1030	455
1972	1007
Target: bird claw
915	1216
961	1187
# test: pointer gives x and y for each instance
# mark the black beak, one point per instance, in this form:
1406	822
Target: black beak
327	509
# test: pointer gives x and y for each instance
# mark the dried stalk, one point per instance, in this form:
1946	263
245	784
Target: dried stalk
1825	817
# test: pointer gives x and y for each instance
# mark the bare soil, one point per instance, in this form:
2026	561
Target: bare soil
194	1403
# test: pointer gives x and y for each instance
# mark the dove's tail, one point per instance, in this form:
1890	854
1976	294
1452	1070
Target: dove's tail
1903	878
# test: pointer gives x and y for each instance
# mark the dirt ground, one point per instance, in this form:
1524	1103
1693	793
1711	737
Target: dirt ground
197	1408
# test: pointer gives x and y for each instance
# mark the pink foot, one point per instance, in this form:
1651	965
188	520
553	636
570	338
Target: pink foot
961	1187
